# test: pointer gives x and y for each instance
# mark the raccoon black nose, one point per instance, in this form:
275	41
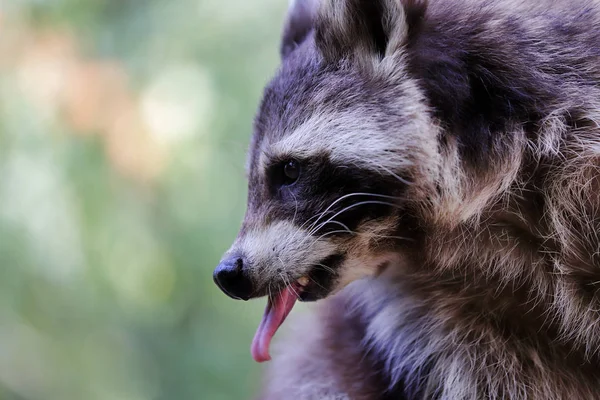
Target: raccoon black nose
230	277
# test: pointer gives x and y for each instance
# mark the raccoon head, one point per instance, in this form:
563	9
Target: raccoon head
343	146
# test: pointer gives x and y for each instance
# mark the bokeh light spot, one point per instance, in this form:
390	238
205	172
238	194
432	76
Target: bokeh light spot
178	103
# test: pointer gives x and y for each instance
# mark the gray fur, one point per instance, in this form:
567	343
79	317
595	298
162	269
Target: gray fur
475	126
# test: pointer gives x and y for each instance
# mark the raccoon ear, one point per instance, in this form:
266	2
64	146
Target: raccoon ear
362	29
299	23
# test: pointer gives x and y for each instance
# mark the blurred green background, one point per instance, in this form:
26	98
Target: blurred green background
123	130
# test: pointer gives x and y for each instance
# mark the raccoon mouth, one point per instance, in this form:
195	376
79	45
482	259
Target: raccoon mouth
278	308
316	285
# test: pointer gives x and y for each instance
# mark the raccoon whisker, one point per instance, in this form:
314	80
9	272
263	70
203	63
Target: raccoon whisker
343	226
362	234
288	284
345	197
282	264
312	229
349	195
328	233
391	173
319	216
281	261
350	207
348	230
318	284
325	267
269	294
386	236
296	205
316	229
286	281
359	194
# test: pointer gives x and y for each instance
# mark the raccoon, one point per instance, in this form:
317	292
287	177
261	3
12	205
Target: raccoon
429	173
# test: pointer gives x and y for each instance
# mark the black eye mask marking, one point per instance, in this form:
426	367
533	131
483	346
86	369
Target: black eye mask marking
328	196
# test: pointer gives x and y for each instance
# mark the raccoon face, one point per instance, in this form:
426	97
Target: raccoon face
343	146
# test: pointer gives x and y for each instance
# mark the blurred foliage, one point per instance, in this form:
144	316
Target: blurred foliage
123	129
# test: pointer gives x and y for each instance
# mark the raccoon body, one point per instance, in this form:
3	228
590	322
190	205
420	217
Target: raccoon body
429	173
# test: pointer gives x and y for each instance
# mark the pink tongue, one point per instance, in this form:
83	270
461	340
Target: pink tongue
274	316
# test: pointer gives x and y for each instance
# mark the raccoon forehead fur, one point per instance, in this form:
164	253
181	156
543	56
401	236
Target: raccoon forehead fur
491	110
313	108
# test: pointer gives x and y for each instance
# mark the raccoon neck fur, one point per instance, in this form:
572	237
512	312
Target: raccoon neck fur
507	265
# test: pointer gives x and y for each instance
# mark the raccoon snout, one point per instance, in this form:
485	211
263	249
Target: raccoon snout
231	279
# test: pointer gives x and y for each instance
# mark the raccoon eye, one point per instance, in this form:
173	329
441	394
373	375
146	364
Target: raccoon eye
291	172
